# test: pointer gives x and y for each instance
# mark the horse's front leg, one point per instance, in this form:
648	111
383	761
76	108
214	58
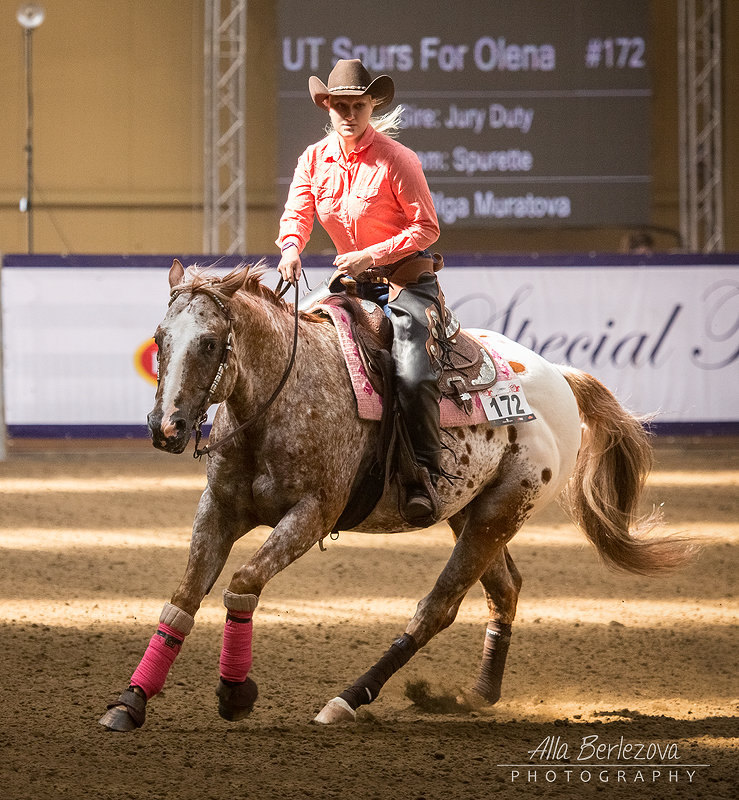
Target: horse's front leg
298	530
215	530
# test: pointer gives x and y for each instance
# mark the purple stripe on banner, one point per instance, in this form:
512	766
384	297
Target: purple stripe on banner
78	431
124	262
719	428
325	262
728	428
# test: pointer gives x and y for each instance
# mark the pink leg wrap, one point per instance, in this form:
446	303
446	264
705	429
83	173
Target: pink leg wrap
236	651
152	670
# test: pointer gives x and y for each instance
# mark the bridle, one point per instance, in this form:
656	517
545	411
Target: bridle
202	414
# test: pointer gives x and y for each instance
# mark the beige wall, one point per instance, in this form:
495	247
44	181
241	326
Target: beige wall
118	134
731	125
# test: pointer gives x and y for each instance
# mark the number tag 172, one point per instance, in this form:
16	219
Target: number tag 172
506	403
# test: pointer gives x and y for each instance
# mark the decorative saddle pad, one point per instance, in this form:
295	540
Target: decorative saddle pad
502	403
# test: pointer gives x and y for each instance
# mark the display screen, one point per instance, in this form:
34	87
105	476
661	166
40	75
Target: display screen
523	112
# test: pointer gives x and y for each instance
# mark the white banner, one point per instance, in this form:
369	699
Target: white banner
664	339
72	339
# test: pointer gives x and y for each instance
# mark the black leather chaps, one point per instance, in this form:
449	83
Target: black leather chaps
414	350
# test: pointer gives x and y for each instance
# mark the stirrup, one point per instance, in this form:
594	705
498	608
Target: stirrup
421	505
418	508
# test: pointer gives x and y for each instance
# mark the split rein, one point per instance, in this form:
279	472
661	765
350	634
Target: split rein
202	416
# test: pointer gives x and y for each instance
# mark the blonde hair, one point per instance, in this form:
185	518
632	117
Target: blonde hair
390	124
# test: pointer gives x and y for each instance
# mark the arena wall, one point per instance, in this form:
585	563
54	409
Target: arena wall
660	332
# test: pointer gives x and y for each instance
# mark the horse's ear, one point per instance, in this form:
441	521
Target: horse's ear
176	273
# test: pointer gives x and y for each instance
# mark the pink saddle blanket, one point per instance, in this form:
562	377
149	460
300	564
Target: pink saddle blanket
369	402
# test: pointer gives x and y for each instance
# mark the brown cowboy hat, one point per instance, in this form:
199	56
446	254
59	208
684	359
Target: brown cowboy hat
349	77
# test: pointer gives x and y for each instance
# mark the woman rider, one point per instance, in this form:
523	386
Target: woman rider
370	194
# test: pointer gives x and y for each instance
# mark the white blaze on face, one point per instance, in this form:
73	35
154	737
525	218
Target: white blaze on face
181	335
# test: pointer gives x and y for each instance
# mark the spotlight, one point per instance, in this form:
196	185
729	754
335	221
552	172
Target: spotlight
30	16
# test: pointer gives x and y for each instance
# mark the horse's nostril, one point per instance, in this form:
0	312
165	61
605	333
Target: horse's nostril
179	424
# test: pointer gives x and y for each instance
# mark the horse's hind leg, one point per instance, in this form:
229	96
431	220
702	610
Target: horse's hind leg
502	584
488	524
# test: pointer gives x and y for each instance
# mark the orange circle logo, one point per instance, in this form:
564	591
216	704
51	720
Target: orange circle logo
146	361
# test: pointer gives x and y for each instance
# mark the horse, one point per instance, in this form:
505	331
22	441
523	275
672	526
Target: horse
288	460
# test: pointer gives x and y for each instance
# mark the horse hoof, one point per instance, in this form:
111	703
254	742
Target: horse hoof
336	710
473	700
236	700
127	713
118	719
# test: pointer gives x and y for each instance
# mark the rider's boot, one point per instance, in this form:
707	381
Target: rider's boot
418	392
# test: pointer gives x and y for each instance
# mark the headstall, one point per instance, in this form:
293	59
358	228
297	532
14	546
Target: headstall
202	415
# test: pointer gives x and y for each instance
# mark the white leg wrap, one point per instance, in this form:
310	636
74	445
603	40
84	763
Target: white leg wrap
176	618
239	602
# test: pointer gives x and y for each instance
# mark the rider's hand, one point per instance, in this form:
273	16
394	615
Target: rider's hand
290	265
354	263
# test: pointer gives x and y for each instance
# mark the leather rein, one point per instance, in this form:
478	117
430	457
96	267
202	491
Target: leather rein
202	415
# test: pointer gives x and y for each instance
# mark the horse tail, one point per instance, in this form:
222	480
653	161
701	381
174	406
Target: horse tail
603	494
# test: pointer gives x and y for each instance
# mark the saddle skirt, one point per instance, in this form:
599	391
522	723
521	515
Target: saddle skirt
469	367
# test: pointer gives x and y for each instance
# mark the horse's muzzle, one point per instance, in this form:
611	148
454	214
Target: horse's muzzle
172	437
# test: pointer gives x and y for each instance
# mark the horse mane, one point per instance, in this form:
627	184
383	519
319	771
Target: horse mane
244	278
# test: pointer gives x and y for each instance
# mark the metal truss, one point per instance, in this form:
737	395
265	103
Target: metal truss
701	185
224	223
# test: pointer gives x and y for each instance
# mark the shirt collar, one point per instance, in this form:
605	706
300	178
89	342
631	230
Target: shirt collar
367	138
334	152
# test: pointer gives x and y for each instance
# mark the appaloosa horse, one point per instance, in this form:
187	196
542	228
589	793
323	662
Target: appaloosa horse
226	340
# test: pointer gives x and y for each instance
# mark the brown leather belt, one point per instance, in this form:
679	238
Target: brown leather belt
407	270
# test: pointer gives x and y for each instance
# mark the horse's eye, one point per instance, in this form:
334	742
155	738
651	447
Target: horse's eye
210	345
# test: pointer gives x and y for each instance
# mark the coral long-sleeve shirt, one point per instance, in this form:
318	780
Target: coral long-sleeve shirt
376	199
